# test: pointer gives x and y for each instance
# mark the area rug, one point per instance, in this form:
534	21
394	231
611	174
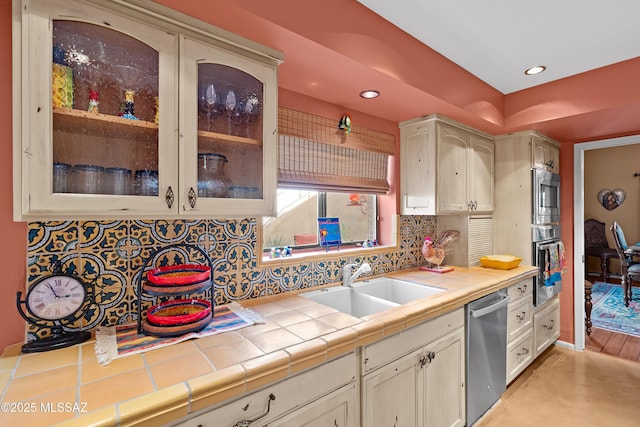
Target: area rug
114	342
609	311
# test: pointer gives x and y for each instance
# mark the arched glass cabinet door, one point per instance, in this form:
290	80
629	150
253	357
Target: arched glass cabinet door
106	101
229	131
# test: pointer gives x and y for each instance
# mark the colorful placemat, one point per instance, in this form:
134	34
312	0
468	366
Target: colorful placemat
113	342
609	311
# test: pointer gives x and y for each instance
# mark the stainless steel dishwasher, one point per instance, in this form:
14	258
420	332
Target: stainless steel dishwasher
486	341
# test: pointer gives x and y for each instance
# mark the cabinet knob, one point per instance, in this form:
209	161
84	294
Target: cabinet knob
192	197
550	326
521	317
169	197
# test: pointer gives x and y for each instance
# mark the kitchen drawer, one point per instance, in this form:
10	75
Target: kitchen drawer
521	290
383	352
546	324
289	394
519	355
519	318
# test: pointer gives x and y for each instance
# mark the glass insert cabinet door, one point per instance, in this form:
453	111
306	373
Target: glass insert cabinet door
226	103
101	106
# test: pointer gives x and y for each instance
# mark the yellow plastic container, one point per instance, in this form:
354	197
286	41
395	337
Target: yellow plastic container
500	262
62	86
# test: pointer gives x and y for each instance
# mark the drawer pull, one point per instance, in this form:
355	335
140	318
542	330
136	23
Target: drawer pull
522	316
522	289
247	423
525	351
550	327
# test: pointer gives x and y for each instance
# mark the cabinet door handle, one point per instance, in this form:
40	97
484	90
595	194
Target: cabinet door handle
247	423
550	327
521	317
193	197
428	358
169	197
525	351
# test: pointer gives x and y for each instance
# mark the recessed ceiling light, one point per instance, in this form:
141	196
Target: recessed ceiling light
369	94
535	70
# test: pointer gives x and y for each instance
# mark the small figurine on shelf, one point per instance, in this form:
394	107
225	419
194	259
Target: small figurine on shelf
286	251
128	105
93	101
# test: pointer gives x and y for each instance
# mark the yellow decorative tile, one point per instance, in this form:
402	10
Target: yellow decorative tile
218	339
307	354
287	318
226	355
339	320
369	331
258	328
117	388
393	322
266	369
92	370
37	362
105	417
274	340
29	386
44	409
216	387
340	342
8	363
179	369
165	353
158	408
12	350
310	329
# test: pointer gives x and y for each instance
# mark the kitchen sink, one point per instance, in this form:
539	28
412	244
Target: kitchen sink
350	301
371	296
395	290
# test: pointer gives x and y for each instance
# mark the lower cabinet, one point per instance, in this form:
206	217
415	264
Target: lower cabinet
520	352
546	324
322	396
422	387
337	409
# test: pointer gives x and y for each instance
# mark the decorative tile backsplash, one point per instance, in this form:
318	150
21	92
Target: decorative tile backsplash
109	255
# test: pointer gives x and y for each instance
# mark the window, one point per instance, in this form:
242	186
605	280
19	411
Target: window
297	221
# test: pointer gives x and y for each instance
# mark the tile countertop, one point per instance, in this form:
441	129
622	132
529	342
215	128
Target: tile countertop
67	387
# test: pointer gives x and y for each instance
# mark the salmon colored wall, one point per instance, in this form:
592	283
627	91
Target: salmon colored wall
566	205
13	236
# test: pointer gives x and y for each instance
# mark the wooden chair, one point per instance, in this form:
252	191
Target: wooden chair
629	270
588	305
596	245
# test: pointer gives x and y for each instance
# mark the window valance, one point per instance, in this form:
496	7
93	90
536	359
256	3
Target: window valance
314	154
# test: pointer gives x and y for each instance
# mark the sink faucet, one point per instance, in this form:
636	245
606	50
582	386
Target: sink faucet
348	277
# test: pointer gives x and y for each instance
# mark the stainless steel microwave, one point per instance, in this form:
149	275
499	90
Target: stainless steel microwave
546	197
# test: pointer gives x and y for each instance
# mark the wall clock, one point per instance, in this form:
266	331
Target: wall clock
54	302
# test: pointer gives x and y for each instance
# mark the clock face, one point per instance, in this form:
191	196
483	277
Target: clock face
55	297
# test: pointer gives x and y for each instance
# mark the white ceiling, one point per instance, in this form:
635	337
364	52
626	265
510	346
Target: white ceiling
496	40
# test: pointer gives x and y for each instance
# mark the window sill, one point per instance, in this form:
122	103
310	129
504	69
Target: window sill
314	254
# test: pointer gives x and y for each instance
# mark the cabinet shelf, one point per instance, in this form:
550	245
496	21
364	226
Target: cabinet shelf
216	137
72	120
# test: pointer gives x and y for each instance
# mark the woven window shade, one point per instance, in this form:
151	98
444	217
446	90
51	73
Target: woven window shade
315	154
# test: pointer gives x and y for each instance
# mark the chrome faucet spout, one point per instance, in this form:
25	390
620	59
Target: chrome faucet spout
348	277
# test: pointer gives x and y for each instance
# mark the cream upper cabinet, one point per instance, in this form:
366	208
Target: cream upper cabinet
123	114
445	168
545	154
